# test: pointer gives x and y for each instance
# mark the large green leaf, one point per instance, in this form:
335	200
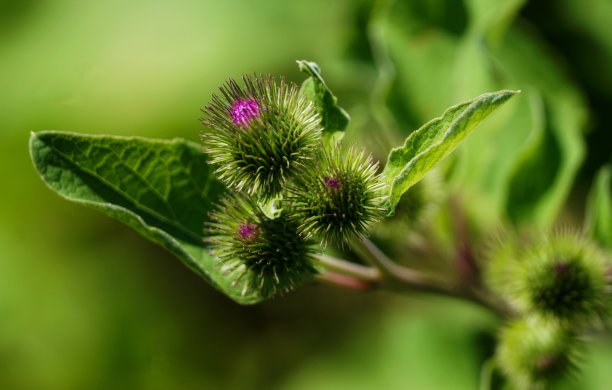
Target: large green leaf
599	208
162	189
434	141
333	118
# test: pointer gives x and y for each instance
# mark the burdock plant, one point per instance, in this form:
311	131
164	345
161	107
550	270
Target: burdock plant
274	198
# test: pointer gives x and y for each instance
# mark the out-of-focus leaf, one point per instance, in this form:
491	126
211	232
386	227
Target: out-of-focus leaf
434	141
333	117
545	171
162	189
491	19
422	71
591	19
598	221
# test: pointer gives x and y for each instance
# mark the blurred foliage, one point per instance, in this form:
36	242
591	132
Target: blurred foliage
86	303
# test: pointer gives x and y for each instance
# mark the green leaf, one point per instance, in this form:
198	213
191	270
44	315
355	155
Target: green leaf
333	117
434	141
598	221
546	168
163	189
437	60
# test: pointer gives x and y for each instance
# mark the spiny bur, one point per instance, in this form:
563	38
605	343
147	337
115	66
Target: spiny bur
260	135
261	253
533	353
339	198
560	276
563	277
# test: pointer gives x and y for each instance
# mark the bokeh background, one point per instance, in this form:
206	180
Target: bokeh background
85	303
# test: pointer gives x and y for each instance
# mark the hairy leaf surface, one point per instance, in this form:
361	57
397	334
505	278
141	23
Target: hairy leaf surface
162	189
433	142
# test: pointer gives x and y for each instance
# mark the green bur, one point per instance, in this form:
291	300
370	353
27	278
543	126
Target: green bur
563	288
340	198
559	277
533	353
260	136
257	251
563	277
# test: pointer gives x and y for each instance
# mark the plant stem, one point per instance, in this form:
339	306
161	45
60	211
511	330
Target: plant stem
346	281
350	269
394	272
397	277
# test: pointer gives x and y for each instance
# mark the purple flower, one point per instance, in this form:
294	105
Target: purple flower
332	182
247	231
244	110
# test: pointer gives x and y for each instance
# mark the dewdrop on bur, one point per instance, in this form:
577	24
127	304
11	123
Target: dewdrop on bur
261	135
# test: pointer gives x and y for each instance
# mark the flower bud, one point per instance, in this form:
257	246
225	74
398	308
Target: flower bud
260	136
559	277
563	277
339	198
262	253
533	353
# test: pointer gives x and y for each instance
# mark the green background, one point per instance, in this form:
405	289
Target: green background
85	303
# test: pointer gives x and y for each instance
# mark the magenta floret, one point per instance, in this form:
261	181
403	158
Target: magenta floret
332	182
247	231
244	110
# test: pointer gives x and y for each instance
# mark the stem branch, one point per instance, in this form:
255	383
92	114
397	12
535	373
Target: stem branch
346	281
347	268
397	277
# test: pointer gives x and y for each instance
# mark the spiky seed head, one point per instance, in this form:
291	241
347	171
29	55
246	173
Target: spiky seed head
563	276
560	276
533	353
260	253
260	135
338	198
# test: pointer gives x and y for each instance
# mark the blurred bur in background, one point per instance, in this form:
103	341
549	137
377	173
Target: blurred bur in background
86	303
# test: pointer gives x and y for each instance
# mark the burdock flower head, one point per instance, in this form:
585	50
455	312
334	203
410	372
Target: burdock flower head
260	253
260	135
564	277
533	354
338	199
561	276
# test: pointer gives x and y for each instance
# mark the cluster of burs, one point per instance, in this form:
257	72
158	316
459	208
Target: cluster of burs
558	288
290	192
